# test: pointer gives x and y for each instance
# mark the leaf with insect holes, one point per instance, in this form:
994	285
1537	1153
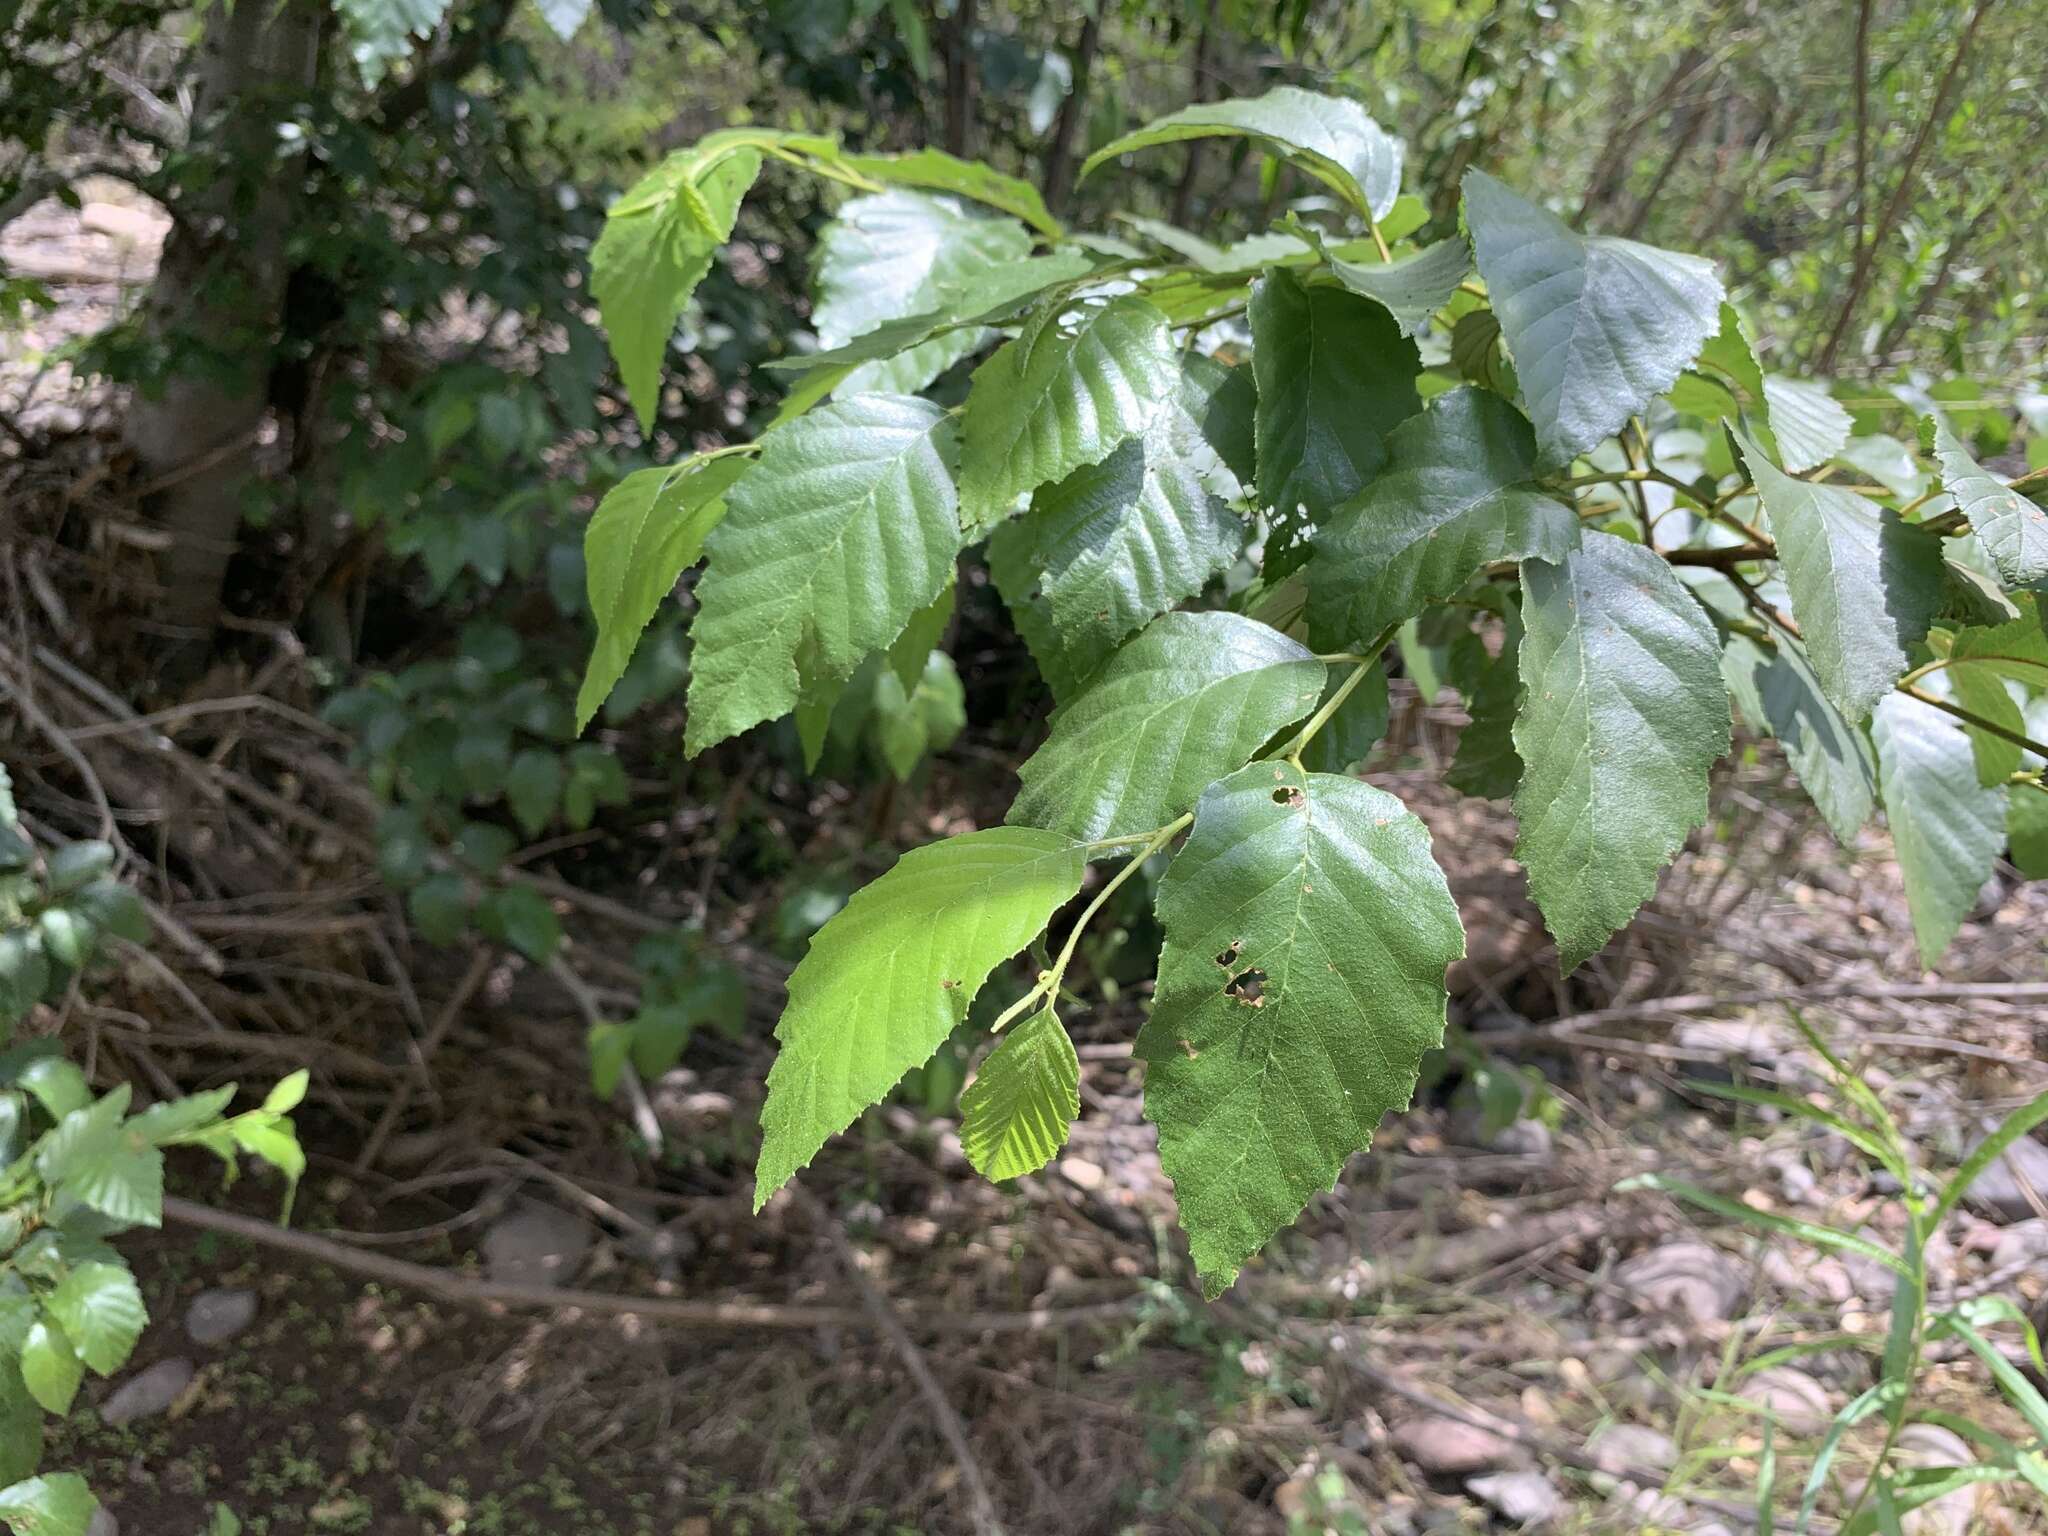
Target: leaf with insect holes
896	254
1864	584
891	976
1947	827
844	530
1302	979
1335	376
1623	713
1015	1115
1458	494
1085	375
1598	327
1332	138
1190	698
647	531
2012	527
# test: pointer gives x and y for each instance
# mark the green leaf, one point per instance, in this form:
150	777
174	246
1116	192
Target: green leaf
1307	932
2012	527
657	245
533	788
57	1084
381	32
1411	288
79	864
1189	699
439	907
520	916
24	973
1623	713
21	1417
1348	736
844	530
1865	585
647	531
1947	827
1487	766
2027	827
909	727
1778	692
1335	376
50	1366
899	254
937	171
1015	1115
1118	543
1979	689
102	1314
1331	138
288	1093
1082	377
1598	327
92	1158
889	978
1457	495
56	1504
1810	428
163	1123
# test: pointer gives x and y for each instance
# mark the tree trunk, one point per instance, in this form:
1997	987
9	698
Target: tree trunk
1059	176
214	307
960	81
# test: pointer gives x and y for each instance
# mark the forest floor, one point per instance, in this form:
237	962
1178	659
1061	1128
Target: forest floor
1476	1331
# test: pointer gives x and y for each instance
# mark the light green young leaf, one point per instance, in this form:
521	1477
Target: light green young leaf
1978	688
647	531
1084	376
898	254
1778	693
1810	427
1865	585
889	978
1623	713
844	530
288	1094
1335	376
1331	138
50	1366
909	727
910	651
92	1158
936	171
2027	830
1307	933
1015	1115
1457	495
102	1314
56	1083
55	1504
1946	826
1598	326
2012	528
1188	700
1412	288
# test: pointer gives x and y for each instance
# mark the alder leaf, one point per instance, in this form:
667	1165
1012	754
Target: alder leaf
846	527
1864	583
936	171
1487	766
891	976
1810	428
1598	327
898	254
1349	735
1083	376
1780	694
2012	528
647	531
1947	827
1015	1115
1190	698
1335	376
1302	979
1458	494
912	724
55	1504
1411	288
1333	139
1623	713
102	1313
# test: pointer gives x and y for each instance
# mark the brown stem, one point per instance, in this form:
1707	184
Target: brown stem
1988	727
1862	121
1866	259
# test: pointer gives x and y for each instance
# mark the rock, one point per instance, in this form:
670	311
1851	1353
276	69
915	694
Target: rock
148	1392
102	1524
1525	1138
2021	1242
1816	1279
1438	1443
1684	1277
1081	1173
216	1316
1928	1445
1631	1447
1527	1498
1800	1404
137	226
1998	1190
535	1244
1631	1507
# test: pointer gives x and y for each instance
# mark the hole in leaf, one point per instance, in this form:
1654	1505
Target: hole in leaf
1229	957
1288	795
1248	987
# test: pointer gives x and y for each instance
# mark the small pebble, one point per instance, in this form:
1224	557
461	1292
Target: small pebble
216	1316
148	1392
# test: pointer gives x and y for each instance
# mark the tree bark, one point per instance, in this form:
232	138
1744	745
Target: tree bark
214	307
1198	90
960	81
1059	172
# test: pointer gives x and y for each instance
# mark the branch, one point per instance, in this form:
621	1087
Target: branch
1989	727
1059	174
1862	122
